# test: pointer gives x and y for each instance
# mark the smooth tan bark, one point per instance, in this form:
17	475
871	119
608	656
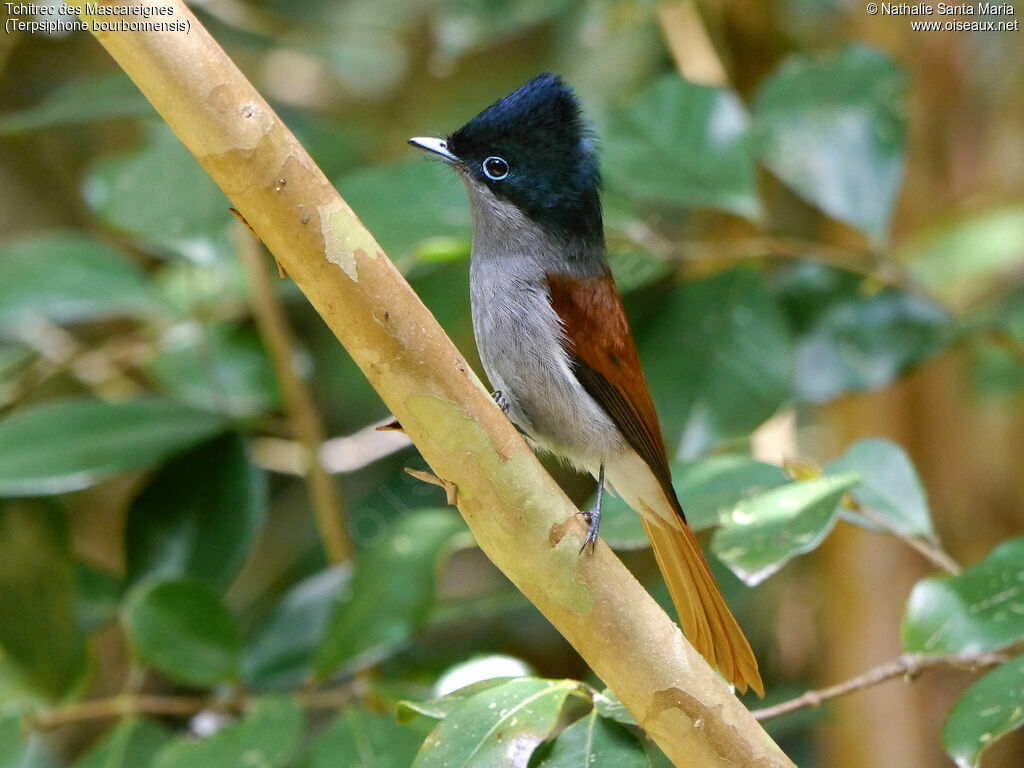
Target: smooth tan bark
520	518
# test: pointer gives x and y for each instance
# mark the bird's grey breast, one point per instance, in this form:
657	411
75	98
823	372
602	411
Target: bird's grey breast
523	349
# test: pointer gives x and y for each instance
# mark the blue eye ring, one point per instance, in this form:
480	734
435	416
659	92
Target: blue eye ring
495	168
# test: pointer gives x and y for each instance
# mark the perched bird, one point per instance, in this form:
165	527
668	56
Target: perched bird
554	339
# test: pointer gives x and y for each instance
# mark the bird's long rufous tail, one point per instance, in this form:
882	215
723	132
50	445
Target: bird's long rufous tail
705	618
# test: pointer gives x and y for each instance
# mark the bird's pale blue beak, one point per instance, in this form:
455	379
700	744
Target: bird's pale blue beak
438	146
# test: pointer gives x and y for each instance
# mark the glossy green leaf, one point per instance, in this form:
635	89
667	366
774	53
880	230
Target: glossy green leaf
936	255
266	737
833	128
594	741
183	629
682	144
159	192
853	335
981	609
198	516
66	445
221	368
990	709
710	487
362	739
763	533
281	650
67	278
432	201
501	726
718	358
608	705
131	744
38	628
888	485
707	488
391	591
442	706
80	101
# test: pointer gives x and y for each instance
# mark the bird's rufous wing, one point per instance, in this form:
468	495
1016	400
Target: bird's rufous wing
604	358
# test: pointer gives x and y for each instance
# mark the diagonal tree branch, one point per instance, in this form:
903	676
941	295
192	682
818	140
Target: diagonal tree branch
519	516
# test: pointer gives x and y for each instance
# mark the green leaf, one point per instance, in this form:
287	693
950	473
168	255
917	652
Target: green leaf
707	488
833	128
762	534
981	609
67	278
682	144
281	650
721	348
362	739
99	597
81	101
183	629
990	709
18	749
442	706
391	591
608	705
594	741
432	201
69	444
222	367
501	726
888	485
198	516
131	744
996	369
853	336
159	192
39	632
266	737
937	256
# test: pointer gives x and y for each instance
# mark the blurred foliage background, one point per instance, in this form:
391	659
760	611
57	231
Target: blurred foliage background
816	217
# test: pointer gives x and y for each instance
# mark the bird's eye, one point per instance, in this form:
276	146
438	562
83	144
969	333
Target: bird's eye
495	168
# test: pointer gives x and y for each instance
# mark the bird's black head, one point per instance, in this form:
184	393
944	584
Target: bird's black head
531	148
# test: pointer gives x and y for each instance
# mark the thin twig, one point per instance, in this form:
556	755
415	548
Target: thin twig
183	707
299	406
932	552
908	666
127	705
863	261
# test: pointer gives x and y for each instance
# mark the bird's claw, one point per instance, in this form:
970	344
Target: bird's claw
593	517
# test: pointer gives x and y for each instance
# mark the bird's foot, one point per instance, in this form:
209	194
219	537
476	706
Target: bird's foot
593	518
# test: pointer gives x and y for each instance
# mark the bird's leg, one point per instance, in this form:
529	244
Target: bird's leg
593	516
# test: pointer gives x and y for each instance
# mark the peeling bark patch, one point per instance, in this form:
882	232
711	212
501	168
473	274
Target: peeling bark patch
559	531
719	734
342	235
